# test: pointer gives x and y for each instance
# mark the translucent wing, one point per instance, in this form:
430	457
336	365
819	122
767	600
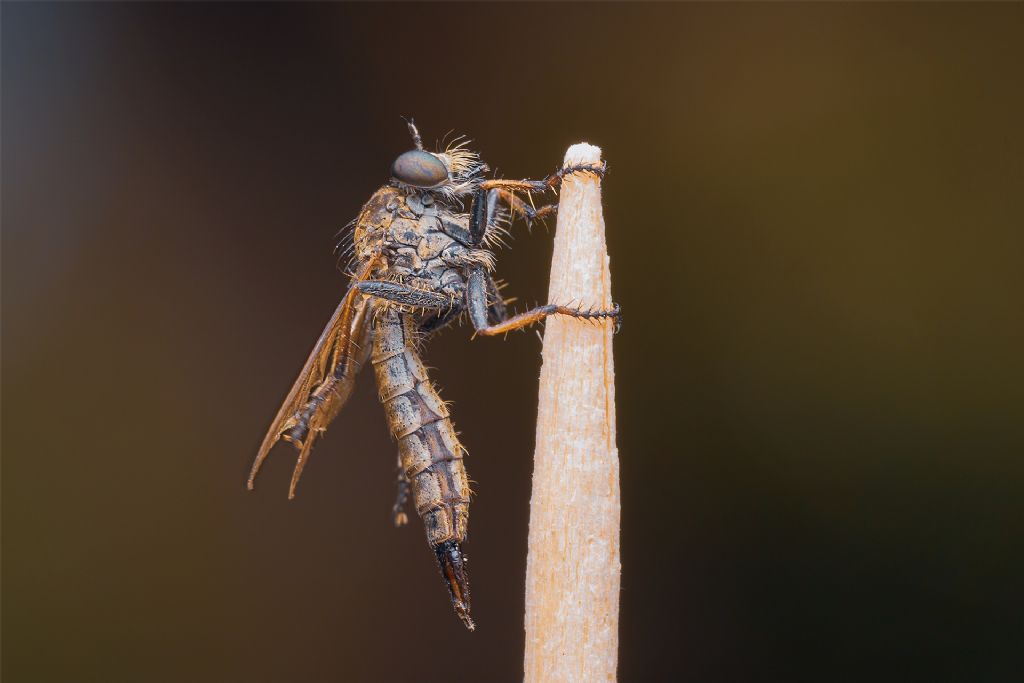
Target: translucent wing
326	380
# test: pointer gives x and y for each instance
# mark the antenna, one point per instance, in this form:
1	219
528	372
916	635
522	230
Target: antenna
414	132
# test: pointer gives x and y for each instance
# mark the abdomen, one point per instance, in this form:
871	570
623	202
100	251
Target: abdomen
419	420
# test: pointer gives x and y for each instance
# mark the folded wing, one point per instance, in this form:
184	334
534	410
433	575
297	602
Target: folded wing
326	380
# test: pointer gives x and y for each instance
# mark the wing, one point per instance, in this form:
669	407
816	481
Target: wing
326	380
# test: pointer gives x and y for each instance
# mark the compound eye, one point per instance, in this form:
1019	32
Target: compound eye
419	169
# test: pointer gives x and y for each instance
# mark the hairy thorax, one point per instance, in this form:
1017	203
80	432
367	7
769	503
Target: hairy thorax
416	234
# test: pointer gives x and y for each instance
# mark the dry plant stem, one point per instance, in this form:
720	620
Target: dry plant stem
572	574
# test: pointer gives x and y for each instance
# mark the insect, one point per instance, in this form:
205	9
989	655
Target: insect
418	264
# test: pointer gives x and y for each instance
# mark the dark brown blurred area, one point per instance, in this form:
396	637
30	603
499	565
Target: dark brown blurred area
814	218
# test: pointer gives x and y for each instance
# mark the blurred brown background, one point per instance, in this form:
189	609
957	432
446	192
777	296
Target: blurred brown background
814	218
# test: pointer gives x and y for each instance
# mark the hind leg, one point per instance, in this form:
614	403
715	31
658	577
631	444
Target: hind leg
398	509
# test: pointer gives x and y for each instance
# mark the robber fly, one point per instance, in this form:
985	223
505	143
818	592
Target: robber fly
418	264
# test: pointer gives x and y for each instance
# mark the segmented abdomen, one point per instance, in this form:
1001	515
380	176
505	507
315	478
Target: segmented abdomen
419	420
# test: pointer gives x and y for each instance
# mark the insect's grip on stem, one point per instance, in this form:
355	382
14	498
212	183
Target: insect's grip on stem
572	577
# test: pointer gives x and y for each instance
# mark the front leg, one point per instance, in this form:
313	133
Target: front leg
526	211
477	302
550	182
498	188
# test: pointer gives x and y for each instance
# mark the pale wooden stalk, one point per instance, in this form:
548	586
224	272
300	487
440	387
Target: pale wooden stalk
572	572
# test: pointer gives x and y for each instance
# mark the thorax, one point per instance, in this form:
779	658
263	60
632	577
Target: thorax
406	229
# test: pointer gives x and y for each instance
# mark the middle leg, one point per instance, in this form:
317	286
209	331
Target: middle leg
481	309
